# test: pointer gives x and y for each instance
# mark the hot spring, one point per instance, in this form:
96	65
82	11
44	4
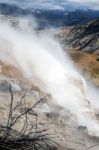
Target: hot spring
40	55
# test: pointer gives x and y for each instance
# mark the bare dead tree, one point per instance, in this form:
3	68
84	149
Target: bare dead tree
29	137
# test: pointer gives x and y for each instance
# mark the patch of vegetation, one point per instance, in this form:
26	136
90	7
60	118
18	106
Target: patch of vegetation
30	137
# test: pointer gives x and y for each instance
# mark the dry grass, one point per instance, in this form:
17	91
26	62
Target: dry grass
87	63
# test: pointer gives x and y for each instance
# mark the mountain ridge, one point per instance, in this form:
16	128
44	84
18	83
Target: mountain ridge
83	37
51	18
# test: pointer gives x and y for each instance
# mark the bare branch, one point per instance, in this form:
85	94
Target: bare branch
28	110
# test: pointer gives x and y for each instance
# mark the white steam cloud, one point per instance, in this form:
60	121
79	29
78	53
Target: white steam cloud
39	55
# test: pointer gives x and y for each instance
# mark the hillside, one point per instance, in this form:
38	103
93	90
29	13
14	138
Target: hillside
84	37
88	65
82	44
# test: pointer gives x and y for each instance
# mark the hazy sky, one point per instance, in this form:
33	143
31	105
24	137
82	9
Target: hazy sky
93	4
56	4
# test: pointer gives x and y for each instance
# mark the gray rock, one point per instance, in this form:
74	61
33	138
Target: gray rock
5	84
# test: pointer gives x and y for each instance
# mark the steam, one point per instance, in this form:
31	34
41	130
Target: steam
39	54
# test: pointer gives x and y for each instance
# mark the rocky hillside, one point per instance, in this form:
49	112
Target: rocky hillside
84	37
82	44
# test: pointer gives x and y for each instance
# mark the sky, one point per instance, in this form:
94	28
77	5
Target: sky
93	4
56	4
